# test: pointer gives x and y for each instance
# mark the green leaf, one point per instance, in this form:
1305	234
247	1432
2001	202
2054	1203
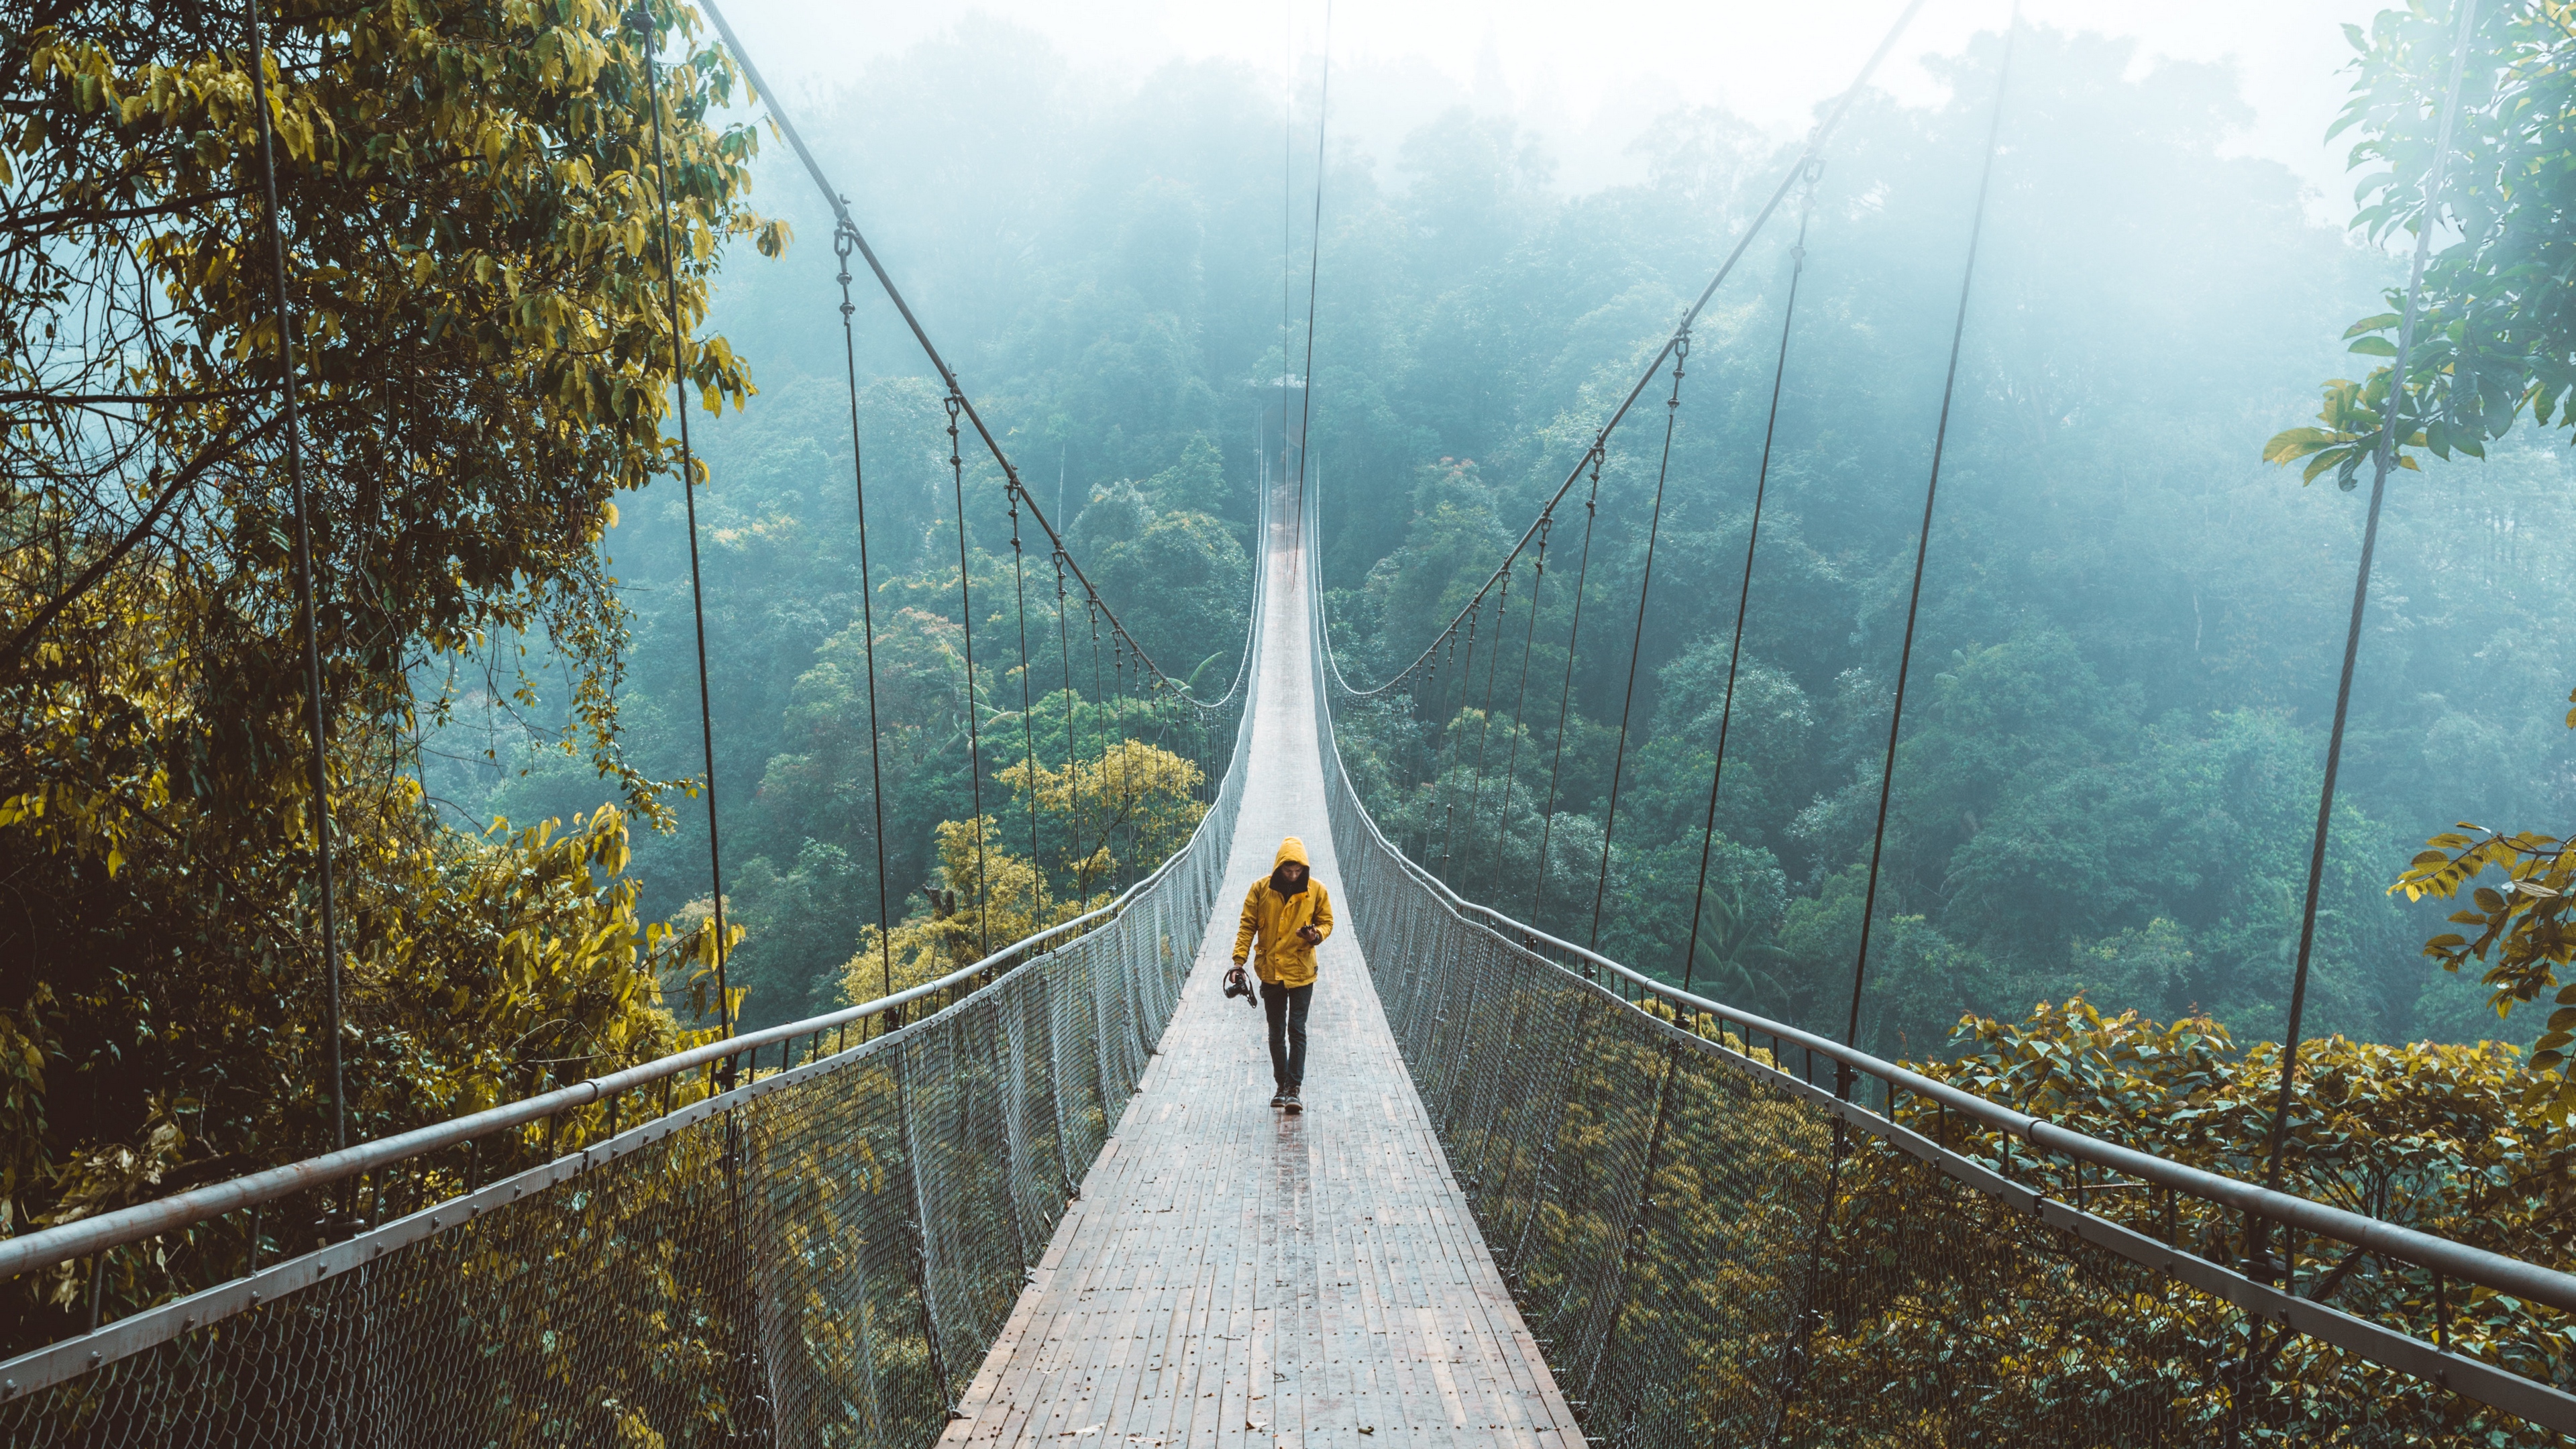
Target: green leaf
2324	461
2292	443
2374	347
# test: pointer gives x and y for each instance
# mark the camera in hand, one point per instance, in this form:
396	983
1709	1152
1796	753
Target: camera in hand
1238	984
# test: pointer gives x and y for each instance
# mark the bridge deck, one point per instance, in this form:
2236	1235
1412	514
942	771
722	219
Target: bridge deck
1234	1275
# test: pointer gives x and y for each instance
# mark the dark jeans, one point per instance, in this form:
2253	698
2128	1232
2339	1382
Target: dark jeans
1286	1008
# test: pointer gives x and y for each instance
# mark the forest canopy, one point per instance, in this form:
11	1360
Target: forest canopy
2129	634
484	363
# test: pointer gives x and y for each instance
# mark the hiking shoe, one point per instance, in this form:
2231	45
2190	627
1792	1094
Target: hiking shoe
1279	1099
1289	1100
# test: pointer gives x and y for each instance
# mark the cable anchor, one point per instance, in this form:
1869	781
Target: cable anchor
843	240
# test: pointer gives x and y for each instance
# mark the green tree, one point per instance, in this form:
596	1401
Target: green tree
2446	1140
2496	335
2525	934
484	361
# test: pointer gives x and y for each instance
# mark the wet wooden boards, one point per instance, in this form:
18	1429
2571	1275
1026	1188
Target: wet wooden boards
1233	1275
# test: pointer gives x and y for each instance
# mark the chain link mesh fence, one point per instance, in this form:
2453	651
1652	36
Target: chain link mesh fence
819	1256
1713	1245
1711	1249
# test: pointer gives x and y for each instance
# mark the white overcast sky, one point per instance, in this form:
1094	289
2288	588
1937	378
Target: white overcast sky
1605	66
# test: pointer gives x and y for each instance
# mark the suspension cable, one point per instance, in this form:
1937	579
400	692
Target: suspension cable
1923	540
1100	725
1072	753
1423	747
1485	728
1456	739
1565	693
955	390
2384	460
1637	641
1314	269
1439	722
641	20
1520	699
1028	720
1814	149
306	623
974	702
1744	594
867	624
1118	694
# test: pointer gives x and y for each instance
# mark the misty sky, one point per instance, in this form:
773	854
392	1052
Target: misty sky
1591	76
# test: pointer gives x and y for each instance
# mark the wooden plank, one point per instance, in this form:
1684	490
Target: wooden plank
1227	1266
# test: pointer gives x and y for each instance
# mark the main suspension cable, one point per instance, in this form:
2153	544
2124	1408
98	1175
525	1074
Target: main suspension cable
930	352
641	21
1637	641
1744	593
306	623
1814	149
1923	540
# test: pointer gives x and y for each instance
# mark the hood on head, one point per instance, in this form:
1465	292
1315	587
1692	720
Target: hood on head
1290	849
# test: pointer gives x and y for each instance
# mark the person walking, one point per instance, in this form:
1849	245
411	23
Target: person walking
1288	913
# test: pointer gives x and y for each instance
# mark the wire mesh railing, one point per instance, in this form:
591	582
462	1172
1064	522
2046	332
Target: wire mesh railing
1723	1230
803	1235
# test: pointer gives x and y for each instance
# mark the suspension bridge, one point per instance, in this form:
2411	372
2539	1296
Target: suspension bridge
1541	1197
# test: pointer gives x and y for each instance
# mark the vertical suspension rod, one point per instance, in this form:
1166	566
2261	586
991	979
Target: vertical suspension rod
1637	641
2383	460
841	245
306	623
641	21
1744	593
1923	539
1814	149
885	280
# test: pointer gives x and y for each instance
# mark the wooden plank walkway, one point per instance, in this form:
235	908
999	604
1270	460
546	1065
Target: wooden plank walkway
1233	1275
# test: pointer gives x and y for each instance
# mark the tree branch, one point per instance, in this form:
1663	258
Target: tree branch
215	451
76	214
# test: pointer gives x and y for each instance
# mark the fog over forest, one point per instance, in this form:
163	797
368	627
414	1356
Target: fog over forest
2131	624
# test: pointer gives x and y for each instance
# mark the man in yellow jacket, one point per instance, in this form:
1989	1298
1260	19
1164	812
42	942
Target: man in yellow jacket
1289	913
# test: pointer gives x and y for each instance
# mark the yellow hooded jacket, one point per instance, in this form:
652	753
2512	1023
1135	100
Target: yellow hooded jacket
1272	918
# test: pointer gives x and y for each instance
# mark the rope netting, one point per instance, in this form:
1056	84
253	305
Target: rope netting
818	1256
1721	1230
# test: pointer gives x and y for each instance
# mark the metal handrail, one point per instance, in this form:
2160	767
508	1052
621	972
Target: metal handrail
106	1231
2443	1256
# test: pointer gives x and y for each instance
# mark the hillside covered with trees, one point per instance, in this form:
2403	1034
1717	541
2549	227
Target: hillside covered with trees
2131	624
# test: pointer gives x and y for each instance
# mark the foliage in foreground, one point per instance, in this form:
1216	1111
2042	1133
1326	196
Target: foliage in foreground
484	361
2496	334
2448	1140
1133	805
